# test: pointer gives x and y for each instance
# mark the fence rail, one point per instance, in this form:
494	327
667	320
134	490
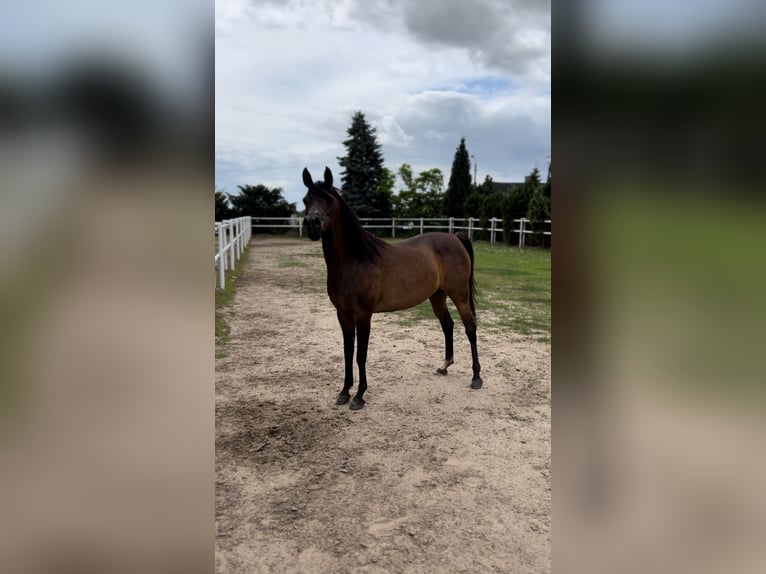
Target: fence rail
233	235
452	224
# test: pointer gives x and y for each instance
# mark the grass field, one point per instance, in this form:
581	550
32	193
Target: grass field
223	299
681	288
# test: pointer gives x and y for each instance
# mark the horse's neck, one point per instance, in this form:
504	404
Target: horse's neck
336	251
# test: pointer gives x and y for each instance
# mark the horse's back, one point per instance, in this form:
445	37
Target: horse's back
443	245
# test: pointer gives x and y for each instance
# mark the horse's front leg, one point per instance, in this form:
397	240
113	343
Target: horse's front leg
347	326
363	339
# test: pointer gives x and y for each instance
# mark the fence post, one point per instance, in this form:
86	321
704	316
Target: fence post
240	225
234	244
224	255
451	223
237	227
240	231
524	240
492	231
521	232
421	226
393	227
221	270
230	243
470	228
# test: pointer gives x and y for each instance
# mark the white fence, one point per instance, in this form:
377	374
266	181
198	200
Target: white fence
421	224
233	235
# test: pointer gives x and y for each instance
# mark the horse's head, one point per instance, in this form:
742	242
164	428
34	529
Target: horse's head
320	201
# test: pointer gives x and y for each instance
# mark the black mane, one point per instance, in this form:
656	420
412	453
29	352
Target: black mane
362	244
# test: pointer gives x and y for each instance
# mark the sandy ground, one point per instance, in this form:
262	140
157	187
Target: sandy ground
430	476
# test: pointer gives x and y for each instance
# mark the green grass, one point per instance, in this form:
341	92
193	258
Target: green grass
223	300
513	292
681	286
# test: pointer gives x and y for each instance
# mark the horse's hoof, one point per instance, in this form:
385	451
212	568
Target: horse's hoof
476	383
441	371
356	404
342	399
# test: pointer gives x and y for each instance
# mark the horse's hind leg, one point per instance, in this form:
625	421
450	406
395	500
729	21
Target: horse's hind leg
439	305
469	320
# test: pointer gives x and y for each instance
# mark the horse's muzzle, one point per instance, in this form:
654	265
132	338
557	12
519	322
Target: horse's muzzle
313	228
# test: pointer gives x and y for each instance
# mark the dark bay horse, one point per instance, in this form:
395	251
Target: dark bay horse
366	275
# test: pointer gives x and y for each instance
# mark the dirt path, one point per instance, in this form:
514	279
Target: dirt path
429	477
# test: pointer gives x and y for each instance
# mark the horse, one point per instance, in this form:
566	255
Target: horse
367	275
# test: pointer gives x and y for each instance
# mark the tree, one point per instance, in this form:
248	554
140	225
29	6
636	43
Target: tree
459	186
485	203
363	170
386	185
516	204
547	184
473	204
261	201
423	195
406	199
492	206
487	187
533	179
430	183
540	210
222	208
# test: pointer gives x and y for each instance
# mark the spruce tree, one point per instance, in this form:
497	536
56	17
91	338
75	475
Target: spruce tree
459	187
362	172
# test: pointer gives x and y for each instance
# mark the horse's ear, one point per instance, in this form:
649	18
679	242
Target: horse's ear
307	181
328	177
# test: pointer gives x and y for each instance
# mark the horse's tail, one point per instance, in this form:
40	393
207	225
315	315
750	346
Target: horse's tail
471	282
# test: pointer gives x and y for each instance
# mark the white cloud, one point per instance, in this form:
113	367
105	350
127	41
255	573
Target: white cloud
391	133
289	77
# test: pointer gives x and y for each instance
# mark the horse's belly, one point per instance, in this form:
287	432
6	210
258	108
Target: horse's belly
404	297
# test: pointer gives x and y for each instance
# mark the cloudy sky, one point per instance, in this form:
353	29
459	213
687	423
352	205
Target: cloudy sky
290	74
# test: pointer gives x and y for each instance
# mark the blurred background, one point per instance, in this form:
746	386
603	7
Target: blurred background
106	395
658	310
106	351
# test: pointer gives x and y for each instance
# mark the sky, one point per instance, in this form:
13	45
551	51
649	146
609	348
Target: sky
291	74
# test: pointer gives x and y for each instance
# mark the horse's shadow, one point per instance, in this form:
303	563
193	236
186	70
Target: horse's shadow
268	432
